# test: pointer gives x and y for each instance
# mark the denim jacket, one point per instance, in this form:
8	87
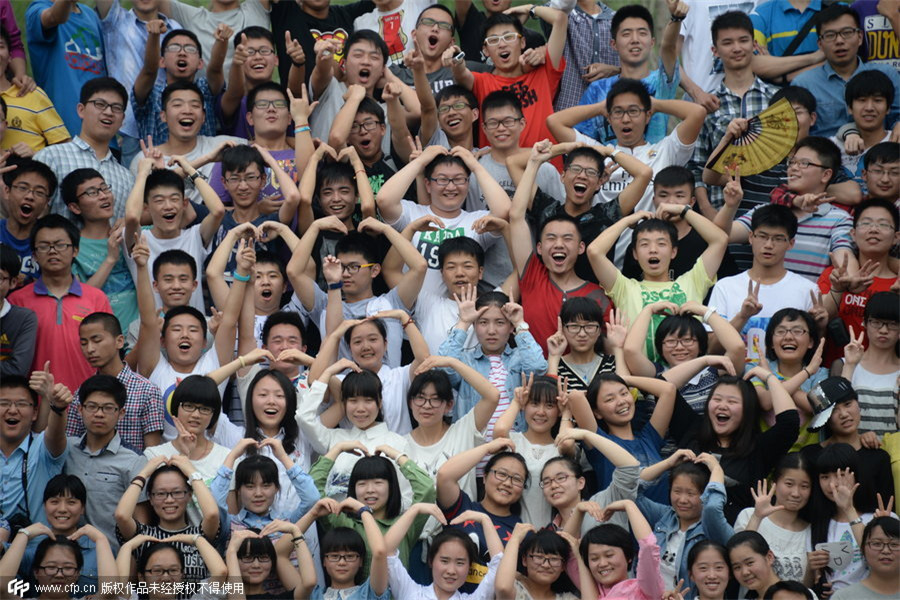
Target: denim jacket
527	357
712	524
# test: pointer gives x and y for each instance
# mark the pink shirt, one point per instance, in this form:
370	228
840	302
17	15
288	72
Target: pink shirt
647	586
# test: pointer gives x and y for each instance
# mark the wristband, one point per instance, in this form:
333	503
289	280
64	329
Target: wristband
613	154
709	312
674	19
856	521
24	531
196	537
846	130
296	64
58	409
531	12
808	376
242	278
301	129
363	509
401	455
408	323
298	539
243	362
139	481
336	286
684	211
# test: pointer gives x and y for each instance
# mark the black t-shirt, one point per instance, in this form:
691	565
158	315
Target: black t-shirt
306	29
690	247
471	35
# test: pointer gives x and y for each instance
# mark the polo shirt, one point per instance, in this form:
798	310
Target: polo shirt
31	119
41	468
107	473
828	88
58	322
776	23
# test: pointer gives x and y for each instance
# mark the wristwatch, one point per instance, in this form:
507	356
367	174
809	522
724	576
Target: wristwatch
523	326
197	174
196	476
531	12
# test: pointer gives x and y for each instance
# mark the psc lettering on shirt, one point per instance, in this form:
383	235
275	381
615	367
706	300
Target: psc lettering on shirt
337	34
391	29
84	52
430	241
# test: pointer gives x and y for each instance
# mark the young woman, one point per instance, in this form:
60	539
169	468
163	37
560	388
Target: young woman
730	427
534	567
169	483
781	514
683	343
580	331
59	561
608	552
709	571
256	560
343	555
752	563
162	566
881	550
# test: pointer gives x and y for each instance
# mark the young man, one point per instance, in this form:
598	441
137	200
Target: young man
101	108
881	173
29	458
100	261
349	275
18	325
102	343
823	230
395	21
504	42
741	94
161	192
27	190
100	456
869	96
840	39
59	300
654	246
749	299
470	22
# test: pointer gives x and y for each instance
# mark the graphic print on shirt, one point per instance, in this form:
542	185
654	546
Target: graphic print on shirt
881	42
430	241
523	92
167	401
84	51
671	294
339	34
391	29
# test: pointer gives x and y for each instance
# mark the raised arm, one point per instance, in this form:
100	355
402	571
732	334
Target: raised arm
147	349
343	121
562	124
559	23
307	188
604	269
124	513
668	47
225	335
146	78
456	467
211	222
665	400
641	176
391	193
767	66
411	282
520	245
614	453
215	68
392	265
495	197
716	239
134	205
691	115
427	105
507	572
234	91
636	340
215	269
304	286
488	394
300	111
323	72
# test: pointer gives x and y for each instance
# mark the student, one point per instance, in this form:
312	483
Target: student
100	456
100	261
18	325
632	36
708	565
788	590
59	300
543	556
580	332
752	563
160	564
396	20
247	547
162	193
504	42
470	22
781	515
345	545
748	300
27	191
881	175
91	147
880	542
448	118
868	98
654	246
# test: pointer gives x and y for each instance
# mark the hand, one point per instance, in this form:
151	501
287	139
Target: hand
499	445
843	281
669	211
522	9
520	531
617	328
88	531
513	312
488	224
238	536
737	127
590	508
332	269
42	382
677	8
342	365
679	593
853	144
301	107
414	59
751	304
349	154
562	394
372	225
532	57
354	447
681	455
870	440
818	311
356	92
294	50
448	54
186	441
426	223
815	363
429	153
38	529
325	506
400	315
157	27
692	307
152	465
350	505
663	307
322	149
277	448
223	33
596	71
638	216
556	343
468	314
733	192
391	91
294	357
523	392
431	509
762	499
465	155
326	48
843	486
184	464
388	451
114	241
435	361
22	150
240	55
617	506
416	147
471	515
817	559
883	511
810	202
331	223
245	256
244	231
25	84
708	101
723	363
182	162
214	320
540	152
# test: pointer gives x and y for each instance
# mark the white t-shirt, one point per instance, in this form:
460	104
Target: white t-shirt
856	569
548	180
670	560
535	508
167	378
394	26
462	435
188	240
789	547
791	292
394	385
330	103
435	317
428	242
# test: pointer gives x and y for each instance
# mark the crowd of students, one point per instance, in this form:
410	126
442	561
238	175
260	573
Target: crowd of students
390	299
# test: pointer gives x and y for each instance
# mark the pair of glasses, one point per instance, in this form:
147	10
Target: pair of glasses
264	51
560	479
508	37
176	48
20	405
116	107
879	225
348	557
794	331
429	401
192	408
354	268
106	409
589	172
44	247
634	112
445	25
878	545
515	480
539	560
803	163
265	104
775	239
159	571
877	324
508	122
54	570
673	342
24	188
93	192
847	33
444	181
176	495
588	328
249	560
249	179
369	125
445	108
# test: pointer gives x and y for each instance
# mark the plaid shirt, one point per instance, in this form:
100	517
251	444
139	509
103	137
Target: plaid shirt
587	41
731	106
143	411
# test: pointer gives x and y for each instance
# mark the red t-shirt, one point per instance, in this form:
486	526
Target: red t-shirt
57	332
542	299
535	90
850	311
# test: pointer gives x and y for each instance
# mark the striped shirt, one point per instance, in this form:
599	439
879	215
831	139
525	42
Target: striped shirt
776	23
818	234
31	119
497	377
878	400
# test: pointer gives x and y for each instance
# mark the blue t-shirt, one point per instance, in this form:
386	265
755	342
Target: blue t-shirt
658	85
65	57
30	268
645	448
119	286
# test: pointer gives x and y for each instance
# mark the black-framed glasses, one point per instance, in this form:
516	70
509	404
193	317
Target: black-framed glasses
794	331
262	559
369	125
877	324
515	480
106	409
336	557
430	401
265	104
176	48
588	171
200	408
846	33
116	107
551	560
353	268
445	25
159	571
444	181
560	479
24	188
633	111
45	247
176	495
508	37
445	108
264	51
93	192
673	342
51	570
235	180
588	328
495	123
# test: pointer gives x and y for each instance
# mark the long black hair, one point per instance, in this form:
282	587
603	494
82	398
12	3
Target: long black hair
799	462
288	422
743	441
832	458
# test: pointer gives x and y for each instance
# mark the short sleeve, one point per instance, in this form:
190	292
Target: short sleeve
35	31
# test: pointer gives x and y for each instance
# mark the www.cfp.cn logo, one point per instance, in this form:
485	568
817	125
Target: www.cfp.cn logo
18	587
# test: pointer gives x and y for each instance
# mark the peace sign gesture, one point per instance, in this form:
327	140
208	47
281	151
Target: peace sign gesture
853	352
751	304
817	310
523	392
733	192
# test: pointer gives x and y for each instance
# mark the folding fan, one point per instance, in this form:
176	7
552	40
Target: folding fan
769	138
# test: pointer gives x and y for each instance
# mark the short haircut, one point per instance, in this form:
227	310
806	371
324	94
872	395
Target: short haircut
882	153
445	159
254	32
456	91
16	382
162	178
774	215
439	7
377	467
267	257
791	314
10	261
367	35
654	224
54	221
174	257
628	86
580	307
344	539
460	245
588	153
65	485
681	326
889	525
108	321
184	310
237	159
368	106
25	166
832	14
68	189
332	173
788	586
632	11
103	384
559	218
795	95
502	19
358	243
451	534
266	86
829	154
179	86
180	32
866	84
607	534
501	99
253	465
674	176
877	203
102	84
733	19
201	390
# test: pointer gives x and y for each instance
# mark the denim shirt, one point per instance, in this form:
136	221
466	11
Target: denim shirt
712	524
526	357
301	480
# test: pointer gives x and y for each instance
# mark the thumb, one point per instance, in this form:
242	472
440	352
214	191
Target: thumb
47	366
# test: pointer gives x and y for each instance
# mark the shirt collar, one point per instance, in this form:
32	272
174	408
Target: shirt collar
112	446
815	5
6	308
252	519
479	353
40	287
830	72
83	145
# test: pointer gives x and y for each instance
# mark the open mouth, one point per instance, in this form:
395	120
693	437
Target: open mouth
370	500
258	67
558	258
364	74
454	122
722	418
432	40
504	55
181	64
653	261
266	294
789	347
26	210
365	143
184	346
271	412
187	122
169	217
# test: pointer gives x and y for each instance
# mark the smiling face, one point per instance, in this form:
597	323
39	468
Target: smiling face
812	178
581	187
541	414
869	112
63	513
367	346
433	39
581	334
166	205
504	55
257	571
245	186
164	561
174	284
101	125
686	348
883	180
793	488
459	271
366	134
770	245
168	508
15	421
181	65
183	340
654	252
363	64
342	572
503	127
183	114
271	120
57	557
25	207
874	232
284	337
450	567
882	563
433	408
561	487
447	200
268	287
361	411
677	194
505	493
93	208
791	340
559	246
840	52
710	573
492	329
752	570
734	47
543	568
359	283
725	410
607	564
373	493
258	495
633	41
615	404
258	68
269	404
338	198
458	116
54	261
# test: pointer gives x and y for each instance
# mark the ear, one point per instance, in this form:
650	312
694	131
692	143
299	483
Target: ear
581	247
481	269
475	114
376	270
73	206
249	118
714	53
813	117
120	342
193	285
79	108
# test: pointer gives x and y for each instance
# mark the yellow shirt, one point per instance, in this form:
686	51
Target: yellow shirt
31	119
891	444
